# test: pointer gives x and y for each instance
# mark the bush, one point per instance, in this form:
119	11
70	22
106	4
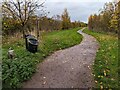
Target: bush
16	70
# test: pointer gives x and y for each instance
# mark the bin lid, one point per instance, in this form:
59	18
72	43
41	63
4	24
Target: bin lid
33	41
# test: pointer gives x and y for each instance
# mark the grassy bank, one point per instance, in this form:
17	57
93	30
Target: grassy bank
106	62
22	67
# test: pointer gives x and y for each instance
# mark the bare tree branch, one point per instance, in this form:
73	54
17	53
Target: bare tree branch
21	10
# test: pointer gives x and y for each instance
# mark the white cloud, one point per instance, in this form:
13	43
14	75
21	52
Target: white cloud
78	9
79	0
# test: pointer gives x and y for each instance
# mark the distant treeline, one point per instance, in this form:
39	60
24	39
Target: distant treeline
107	20
57	22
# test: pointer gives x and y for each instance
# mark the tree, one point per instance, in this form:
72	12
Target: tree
114	21
56	22
66	22
108	19
20	10
90	22
118	17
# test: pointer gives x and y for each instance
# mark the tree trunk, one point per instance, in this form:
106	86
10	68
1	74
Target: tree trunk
23	26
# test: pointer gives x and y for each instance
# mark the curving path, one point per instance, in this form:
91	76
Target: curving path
68	68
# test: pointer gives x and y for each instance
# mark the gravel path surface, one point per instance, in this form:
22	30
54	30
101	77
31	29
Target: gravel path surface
68	68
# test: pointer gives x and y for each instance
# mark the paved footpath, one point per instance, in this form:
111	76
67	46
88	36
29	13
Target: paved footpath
68	68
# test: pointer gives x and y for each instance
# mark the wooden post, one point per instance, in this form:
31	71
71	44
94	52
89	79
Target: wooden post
37	27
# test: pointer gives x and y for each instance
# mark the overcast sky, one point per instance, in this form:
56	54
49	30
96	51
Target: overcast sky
78	9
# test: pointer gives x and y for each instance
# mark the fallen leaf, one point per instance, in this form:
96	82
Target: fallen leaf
44	82
101	87
96	81
44	77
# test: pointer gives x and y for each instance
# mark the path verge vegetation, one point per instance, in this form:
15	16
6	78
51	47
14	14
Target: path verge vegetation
106	62
22	67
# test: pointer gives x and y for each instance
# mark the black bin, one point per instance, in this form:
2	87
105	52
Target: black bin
31	43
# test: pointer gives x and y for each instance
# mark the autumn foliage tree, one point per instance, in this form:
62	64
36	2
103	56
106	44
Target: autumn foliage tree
66	22
107	20
119	17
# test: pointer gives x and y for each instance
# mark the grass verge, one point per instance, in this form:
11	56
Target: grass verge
22	67
106	63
